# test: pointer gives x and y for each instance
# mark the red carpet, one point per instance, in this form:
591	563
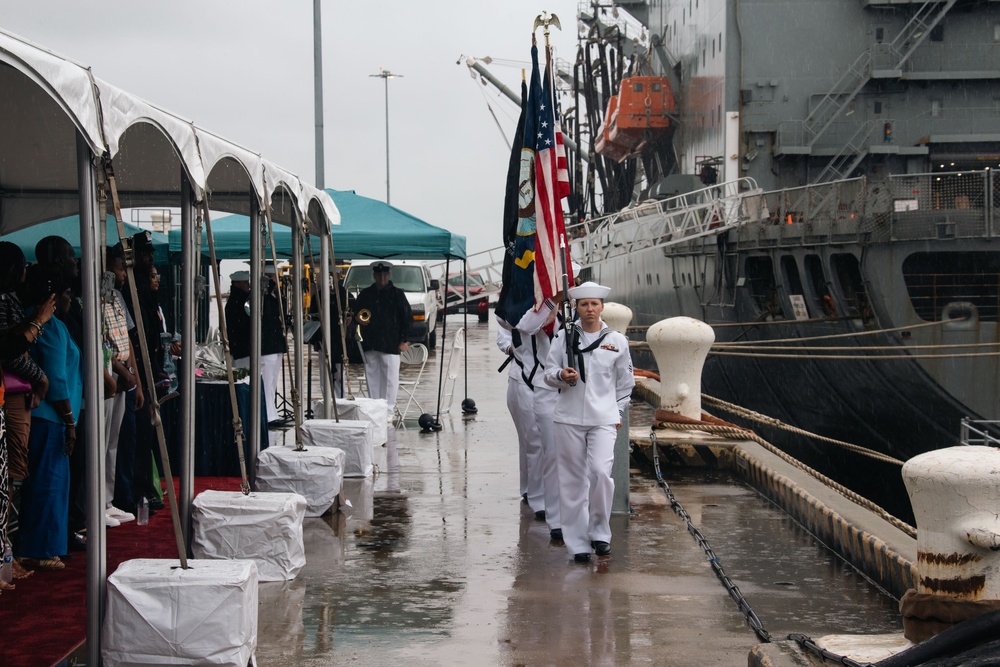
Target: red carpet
46	617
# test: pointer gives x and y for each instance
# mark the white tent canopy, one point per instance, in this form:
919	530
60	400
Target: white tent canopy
49	98
58	123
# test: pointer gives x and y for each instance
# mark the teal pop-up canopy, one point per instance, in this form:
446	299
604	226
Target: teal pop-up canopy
69	229
373	229
368	229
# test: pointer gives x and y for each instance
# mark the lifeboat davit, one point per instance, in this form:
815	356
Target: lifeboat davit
604	145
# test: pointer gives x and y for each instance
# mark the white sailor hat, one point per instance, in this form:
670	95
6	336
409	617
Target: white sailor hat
240	276
381	265
589	290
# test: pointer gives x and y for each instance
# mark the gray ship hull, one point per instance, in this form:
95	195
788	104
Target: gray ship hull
894	386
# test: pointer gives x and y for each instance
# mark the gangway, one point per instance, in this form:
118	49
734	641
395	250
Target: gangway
657	224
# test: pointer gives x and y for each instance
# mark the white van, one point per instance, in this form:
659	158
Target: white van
421	291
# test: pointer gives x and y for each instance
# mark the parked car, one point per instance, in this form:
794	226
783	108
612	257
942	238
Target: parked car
421	291
478	302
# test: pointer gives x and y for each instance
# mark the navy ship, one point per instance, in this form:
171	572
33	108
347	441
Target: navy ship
794	170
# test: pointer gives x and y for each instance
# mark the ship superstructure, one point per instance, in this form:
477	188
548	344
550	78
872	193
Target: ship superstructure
852	146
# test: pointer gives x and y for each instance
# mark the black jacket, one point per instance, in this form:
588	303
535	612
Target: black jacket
391	318
238	324
272	337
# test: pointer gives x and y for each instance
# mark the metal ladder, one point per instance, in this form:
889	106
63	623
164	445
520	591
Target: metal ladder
858	74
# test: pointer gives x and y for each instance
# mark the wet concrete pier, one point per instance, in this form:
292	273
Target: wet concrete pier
437	562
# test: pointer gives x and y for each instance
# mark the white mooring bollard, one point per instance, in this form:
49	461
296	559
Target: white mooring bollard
680	346
955	493
618	317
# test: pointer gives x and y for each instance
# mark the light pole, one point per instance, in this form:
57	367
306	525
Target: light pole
385	75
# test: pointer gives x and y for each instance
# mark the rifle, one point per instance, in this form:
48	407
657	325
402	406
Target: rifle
569	331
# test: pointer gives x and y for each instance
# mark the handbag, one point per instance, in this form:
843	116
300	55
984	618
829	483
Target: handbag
15	384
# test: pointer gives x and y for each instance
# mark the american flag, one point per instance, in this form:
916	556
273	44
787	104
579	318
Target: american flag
551	185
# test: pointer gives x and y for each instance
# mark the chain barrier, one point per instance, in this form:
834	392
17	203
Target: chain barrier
809	645
751	618
734	591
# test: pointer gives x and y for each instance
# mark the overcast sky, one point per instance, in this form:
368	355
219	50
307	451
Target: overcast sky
244	70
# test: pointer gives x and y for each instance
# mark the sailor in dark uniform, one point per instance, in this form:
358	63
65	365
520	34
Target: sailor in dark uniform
384	336
593	396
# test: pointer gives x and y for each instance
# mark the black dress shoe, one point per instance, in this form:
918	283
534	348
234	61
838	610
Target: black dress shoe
540	515
556	534
581	558
602	548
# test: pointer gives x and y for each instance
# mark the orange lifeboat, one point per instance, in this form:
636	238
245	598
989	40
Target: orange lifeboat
643	108
605	145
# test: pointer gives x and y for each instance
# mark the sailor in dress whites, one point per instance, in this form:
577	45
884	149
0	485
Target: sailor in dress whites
538	326
519	404
592	399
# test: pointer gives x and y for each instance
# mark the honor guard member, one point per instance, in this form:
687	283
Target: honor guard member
388	316
539	326
593	396
519	404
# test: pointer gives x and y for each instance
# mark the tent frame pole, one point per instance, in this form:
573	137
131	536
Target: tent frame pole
188	298
93	395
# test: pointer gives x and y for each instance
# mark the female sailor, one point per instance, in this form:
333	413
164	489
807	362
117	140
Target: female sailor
594	392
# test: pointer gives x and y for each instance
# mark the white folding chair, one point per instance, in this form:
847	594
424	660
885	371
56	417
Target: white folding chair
415	355
455	360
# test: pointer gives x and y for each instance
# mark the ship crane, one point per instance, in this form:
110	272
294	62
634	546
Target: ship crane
478	65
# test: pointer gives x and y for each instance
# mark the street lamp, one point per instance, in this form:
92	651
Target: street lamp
386	75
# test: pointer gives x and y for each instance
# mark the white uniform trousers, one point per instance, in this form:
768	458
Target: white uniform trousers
270	368
586	489
544	406
382	376
529	442
114	411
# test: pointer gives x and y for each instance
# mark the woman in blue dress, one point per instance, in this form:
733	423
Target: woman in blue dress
45	504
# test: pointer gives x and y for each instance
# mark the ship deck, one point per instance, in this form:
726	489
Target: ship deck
437	561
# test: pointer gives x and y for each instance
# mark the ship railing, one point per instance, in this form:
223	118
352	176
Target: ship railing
837	202
709	211
953	204
979	432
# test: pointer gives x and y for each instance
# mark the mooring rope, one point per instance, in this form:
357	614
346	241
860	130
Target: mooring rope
746	413
854	357
852	334
733	432
855	348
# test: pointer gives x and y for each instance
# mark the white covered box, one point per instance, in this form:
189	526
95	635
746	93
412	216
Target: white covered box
159	614
354	437
375	410
263	527
316	473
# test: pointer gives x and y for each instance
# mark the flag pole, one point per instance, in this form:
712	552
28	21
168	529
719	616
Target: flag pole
545	20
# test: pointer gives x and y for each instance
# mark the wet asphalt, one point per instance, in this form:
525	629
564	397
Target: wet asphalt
438	562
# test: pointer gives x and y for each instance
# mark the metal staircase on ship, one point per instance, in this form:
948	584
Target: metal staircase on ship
883	60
